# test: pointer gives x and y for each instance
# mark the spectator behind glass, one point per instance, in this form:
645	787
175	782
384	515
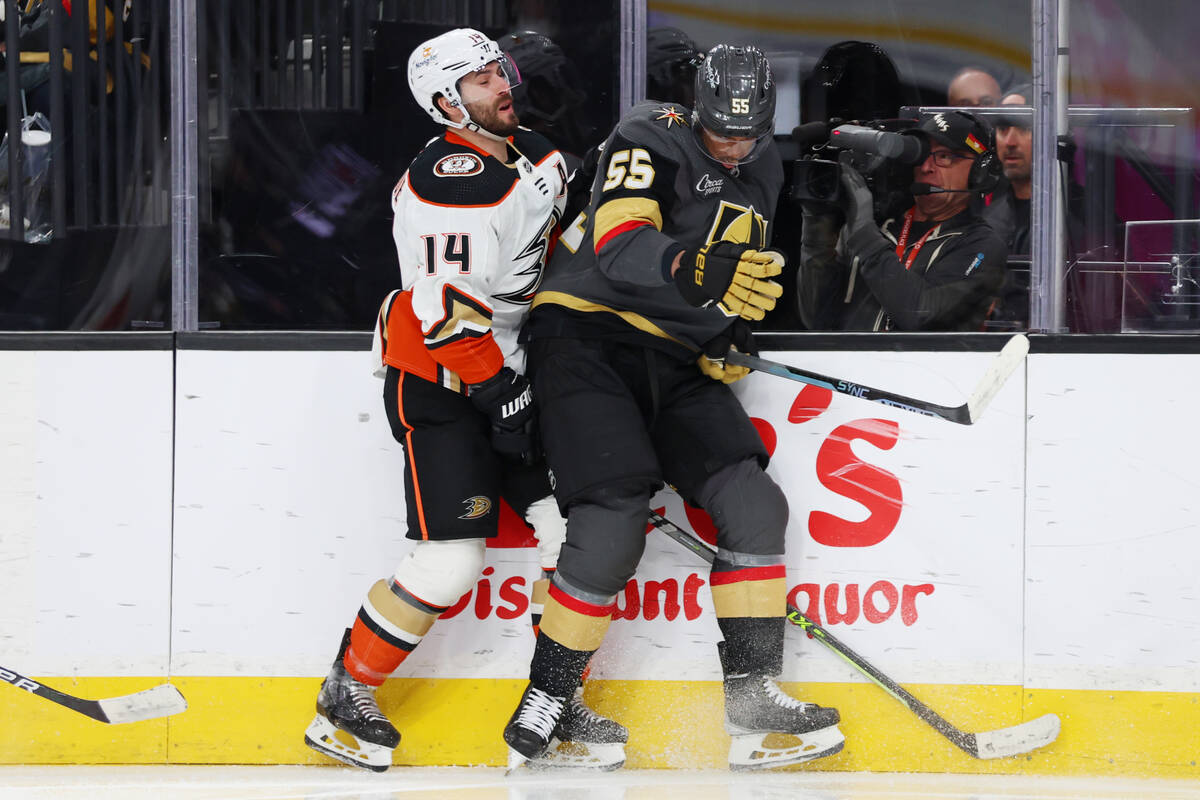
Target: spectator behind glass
972	86
550	98
1008	208
671	62
854	81
937	267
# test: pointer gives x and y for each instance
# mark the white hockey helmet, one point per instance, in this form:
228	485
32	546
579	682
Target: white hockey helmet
436	66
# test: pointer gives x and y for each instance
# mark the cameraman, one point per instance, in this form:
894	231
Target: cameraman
937	267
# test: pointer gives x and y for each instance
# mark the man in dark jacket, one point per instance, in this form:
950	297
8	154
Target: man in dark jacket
937	267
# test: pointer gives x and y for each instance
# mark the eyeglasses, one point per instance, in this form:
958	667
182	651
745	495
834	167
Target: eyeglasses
944	158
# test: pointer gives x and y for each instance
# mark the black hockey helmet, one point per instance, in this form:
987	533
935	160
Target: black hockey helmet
671	62
735	102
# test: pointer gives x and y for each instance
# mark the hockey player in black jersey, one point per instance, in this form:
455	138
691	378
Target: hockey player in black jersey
476	213
658	276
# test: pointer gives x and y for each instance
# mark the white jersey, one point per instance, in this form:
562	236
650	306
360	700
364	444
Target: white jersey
473	235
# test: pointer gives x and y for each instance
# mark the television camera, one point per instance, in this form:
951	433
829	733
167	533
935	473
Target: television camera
882	151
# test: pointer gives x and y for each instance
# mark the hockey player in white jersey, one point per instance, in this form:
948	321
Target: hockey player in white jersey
476	216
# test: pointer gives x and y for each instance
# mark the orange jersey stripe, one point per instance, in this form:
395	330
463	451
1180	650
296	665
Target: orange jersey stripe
473	359
412	462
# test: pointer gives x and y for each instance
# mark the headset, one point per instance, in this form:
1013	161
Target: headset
987	170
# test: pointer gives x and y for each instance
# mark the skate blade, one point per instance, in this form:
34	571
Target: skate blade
327	739
580	755
753	751
515	760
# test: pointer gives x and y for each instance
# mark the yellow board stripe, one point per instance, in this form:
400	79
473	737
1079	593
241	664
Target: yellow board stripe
673	724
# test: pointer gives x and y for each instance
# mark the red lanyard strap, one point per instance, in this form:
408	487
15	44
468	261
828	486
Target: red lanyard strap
902	242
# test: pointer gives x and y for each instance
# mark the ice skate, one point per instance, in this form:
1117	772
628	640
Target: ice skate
349	725
532	725
770	728
583	739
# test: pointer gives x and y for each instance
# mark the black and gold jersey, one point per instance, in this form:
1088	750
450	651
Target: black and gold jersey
655	193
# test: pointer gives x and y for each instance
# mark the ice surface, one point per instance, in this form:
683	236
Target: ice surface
466	783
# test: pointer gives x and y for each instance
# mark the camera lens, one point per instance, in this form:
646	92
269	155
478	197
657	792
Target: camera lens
823	183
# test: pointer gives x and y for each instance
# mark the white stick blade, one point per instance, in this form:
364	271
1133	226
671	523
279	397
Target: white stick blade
1007	360
1019	738
161	701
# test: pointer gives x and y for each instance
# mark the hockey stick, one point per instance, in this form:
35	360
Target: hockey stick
998	743
161	701
1007	360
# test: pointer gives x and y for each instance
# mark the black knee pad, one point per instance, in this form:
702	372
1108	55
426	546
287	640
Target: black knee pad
748	508
606	534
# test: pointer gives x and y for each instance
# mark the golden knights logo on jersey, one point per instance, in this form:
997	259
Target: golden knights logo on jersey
740	224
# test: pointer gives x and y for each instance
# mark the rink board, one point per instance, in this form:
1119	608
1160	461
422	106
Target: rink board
992	569
673	725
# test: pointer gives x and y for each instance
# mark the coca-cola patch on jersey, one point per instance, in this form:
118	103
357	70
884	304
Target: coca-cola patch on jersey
457	165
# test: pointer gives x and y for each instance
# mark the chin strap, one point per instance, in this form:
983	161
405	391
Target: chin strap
471	126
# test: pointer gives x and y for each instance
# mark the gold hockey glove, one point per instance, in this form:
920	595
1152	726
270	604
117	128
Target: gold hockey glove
737	336
735	276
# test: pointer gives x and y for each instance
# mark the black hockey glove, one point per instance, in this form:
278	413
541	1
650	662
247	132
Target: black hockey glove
507	399
737	336
735	275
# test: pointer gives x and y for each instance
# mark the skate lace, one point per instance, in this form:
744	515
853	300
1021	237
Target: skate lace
780	697
363	698
540	712
581	710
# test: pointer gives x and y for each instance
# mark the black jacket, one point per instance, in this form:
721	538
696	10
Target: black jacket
859	283
1009	217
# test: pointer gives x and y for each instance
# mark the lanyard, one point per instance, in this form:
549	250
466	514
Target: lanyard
902	242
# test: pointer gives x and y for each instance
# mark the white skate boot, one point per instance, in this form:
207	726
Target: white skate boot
584	739
772	729
349	725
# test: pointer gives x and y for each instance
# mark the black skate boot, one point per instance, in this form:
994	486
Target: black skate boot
532	725
756	708
348	705
584	739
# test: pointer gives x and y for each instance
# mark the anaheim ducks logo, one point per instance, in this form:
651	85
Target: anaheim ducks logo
477	506
457	165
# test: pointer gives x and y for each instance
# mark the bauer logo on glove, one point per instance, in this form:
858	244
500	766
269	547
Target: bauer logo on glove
734	276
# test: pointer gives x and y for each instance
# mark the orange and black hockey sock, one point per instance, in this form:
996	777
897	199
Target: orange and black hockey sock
390	624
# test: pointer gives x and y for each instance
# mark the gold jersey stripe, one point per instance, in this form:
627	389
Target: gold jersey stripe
577	304
622	210
751	598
